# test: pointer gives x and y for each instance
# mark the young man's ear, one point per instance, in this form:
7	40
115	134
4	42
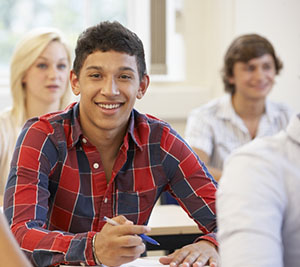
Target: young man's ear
74	83
143	86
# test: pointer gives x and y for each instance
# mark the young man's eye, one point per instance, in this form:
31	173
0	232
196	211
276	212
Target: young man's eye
125	77
250	68
42	66
95	75
267	67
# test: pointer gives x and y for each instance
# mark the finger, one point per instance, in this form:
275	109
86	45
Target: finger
122	220
165	259
179	257
130	240
214	262
190	259
135	251
126	229
128	222
201	261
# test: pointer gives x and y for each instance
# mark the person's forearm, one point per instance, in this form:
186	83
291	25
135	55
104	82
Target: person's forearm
10	253
54	247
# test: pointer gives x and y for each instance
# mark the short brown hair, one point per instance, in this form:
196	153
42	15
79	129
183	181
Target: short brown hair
243	49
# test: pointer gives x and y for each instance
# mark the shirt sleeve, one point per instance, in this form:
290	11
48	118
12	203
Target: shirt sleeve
26	204
199	132
189	181
250	207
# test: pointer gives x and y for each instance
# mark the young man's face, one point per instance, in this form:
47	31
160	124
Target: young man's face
255	78
108	85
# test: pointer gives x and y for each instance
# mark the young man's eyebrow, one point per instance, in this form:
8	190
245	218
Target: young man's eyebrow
94	68
127	68
100	68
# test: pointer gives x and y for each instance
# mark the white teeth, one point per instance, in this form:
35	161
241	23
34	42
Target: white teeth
109	106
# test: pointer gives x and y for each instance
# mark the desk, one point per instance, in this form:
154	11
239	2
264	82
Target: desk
171	227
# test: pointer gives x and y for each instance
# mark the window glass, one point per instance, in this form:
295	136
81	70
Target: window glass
70	16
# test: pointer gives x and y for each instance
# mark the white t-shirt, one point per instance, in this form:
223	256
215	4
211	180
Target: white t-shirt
258	200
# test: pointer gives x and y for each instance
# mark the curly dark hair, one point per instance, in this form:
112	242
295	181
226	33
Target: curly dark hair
243	49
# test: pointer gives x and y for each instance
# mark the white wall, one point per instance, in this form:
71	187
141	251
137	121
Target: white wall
279	21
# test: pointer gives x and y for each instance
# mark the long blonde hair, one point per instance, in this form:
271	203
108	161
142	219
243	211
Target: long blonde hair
25	54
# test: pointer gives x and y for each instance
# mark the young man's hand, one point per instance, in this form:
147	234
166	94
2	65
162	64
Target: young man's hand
196	255
116	245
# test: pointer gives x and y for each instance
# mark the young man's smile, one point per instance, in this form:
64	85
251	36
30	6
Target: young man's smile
109	108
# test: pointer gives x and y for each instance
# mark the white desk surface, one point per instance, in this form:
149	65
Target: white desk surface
151	261
171	220
147	261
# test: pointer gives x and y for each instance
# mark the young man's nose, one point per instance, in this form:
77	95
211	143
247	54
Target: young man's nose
110	87
259	73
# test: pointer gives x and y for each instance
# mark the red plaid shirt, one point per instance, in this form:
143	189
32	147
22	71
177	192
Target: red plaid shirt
57	194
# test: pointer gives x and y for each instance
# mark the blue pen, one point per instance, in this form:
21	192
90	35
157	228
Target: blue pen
143	236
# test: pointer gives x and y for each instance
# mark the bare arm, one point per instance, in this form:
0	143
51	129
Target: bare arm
10	252
216	173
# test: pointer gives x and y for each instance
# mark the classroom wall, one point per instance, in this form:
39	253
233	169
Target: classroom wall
279	21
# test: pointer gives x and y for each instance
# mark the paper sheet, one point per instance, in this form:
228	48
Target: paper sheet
151	261
146	262
141	262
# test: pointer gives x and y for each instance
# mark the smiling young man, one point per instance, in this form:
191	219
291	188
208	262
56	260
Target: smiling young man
217	128
101	157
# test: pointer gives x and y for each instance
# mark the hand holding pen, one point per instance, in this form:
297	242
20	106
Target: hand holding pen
121	243
143	236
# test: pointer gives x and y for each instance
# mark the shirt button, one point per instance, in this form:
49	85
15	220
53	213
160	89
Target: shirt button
96	165
84	140
105	200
